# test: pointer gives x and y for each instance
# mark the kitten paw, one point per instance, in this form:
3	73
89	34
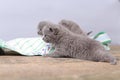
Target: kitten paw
114	62
46	55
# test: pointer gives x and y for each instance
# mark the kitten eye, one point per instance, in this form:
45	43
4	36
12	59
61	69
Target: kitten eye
51	29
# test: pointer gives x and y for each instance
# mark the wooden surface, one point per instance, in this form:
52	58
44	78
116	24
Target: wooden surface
14	67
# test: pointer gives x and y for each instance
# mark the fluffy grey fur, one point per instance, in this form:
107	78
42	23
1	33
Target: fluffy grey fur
68	44
41	25
72	26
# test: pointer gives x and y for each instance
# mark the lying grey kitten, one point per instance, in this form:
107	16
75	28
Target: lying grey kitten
72	26
68	44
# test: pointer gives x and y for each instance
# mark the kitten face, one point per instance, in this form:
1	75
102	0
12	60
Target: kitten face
50	33
41	26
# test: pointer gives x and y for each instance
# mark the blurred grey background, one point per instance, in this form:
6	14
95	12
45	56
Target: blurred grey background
19	18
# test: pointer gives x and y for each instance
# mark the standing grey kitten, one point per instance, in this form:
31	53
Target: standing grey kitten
72	26
68	44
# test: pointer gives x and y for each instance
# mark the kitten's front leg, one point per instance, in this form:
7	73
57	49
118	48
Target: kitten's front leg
55	54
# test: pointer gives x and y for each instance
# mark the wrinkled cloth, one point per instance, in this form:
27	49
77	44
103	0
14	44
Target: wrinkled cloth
103	38
27	46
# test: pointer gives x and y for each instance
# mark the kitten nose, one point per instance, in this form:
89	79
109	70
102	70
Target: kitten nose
43	37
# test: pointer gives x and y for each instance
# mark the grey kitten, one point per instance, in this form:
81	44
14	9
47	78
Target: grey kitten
68	44
72	26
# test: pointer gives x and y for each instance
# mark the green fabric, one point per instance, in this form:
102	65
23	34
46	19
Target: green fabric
104	39
97	35
106	42
52	50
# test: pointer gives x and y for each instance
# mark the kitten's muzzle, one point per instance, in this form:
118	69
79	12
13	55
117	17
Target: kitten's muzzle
39	33
44	38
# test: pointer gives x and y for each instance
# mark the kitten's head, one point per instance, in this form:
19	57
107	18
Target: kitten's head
41	26
50	33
